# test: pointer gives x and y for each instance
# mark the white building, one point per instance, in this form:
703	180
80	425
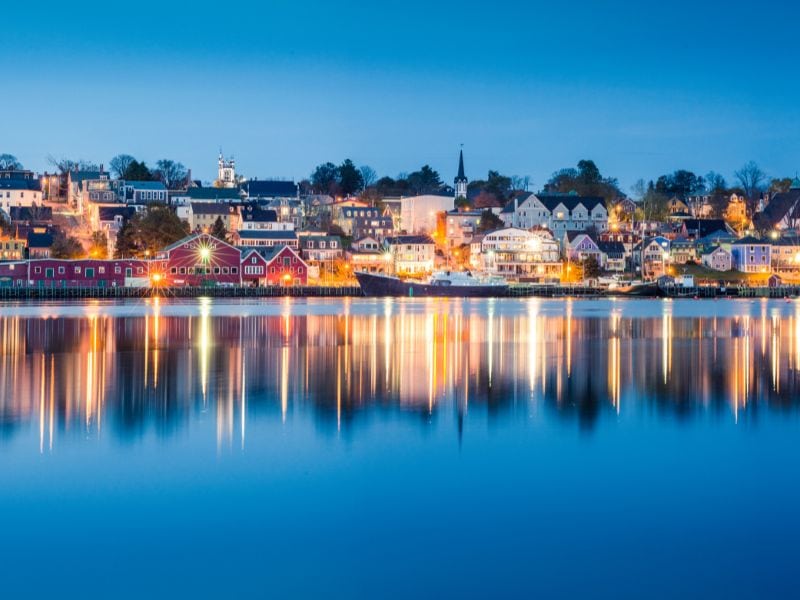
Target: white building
718	259
418	213
520	254
460	227
226	172
144	192
556	212
19	192
410	254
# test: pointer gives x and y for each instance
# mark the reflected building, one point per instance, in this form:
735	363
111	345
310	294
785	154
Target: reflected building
99	375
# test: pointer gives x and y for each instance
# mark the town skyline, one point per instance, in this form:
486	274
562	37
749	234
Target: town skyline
527	94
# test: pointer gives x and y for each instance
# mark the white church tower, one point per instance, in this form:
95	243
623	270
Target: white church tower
461	180
226	172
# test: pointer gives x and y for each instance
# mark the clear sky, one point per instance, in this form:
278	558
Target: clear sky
643	88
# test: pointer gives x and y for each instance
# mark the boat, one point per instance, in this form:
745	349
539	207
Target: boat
639	289
458	284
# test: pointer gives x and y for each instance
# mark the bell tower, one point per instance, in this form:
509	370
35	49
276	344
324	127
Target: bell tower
226	171
461	180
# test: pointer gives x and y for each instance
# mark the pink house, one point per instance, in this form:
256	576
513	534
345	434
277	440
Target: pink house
198	260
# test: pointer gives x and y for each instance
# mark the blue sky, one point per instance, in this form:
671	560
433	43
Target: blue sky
528	88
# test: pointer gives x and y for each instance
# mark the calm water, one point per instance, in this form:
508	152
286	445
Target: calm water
400	448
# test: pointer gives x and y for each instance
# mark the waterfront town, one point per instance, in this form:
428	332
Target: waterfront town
87	225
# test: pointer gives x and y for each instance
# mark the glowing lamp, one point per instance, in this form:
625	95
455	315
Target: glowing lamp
156	277
205	253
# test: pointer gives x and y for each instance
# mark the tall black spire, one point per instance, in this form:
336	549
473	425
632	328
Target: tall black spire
460	176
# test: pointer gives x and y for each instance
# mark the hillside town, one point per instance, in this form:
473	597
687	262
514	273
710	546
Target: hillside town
84	225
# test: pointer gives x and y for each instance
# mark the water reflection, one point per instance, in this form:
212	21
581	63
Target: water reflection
99	372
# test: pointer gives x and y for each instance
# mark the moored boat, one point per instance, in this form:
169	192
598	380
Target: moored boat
451	284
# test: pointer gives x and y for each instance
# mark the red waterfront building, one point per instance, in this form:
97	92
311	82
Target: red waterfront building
276	265
81	273
197	260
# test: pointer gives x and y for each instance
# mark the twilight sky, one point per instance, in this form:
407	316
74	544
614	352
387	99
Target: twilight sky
642	88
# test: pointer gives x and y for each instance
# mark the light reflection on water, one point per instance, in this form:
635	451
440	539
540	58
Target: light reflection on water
119	369
407	448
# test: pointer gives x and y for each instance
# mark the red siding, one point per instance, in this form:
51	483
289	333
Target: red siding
287	262
200	259
52	272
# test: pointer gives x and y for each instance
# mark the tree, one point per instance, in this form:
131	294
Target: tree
350	180
489	222
591	268
778	186
146	233
218	230
65	246
586	180
715	182
368	175
680	183
99	245
752	179
521	182
324	178
9	162
424	181
137	171
170	173
66	164
120	163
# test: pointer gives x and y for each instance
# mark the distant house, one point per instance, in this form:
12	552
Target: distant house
653	256
579	246
410	254
203	216
461	226
346	213
38	242
520	254
719	259
264	238
785	253
367	254
205	194
276	265
31	215
254	217
677	206
751	255
682	251
694	229
612	256
378	227
557	212
319	249
19	193
144	192
783	210
714	239
12	247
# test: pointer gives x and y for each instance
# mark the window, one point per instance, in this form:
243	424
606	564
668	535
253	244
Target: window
286	261
182	270
234	270
101	269
89	272
173	270
77	269
225	270
117	270
128	271
217	270
61	270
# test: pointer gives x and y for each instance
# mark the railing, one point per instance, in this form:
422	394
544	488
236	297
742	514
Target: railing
77	293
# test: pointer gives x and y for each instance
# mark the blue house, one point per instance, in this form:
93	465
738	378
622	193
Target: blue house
751	255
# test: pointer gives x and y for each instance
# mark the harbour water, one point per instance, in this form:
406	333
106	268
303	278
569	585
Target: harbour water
400	447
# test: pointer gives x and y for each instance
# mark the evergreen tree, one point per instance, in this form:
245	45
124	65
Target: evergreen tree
218	230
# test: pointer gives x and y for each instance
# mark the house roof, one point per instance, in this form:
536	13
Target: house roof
784	204
260	234
268	252
19	184
256	188
146	185
570	201
253	213
408	239
749	240
611	247
192	237
211	208
573	234
109	213
211	193
78	176
39	240
715	236
25	213
304	241
705	226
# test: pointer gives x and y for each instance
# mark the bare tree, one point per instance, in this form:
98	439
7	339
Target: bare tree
752	180
66	164
9	161
120	163
521	182
170	172
368	175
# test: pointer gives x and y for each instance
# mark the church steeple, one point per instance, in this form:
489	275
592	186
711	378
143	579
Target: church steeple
461	180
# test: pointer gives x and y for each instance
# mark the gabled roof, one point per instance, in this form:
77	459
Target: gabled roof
78	176
256	188
315	239
570	201
194	236
782	205
146	185
749	241
39	240
573	234
611	247
251	213
25	213
269	252
408	239
705	226
716	236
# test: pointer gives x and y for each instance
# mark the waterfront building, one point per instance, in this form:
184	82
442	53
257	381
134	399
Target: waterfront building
521	254
265	237
682	251
461	226
557	212
378	227
196	260
410	254
367	254
61	273
38	242
652	256
579	246
785	254
613	256
277	265
751	255
719	259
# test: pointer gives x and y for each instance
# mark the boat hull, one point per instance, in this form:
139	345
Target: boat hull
382	285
